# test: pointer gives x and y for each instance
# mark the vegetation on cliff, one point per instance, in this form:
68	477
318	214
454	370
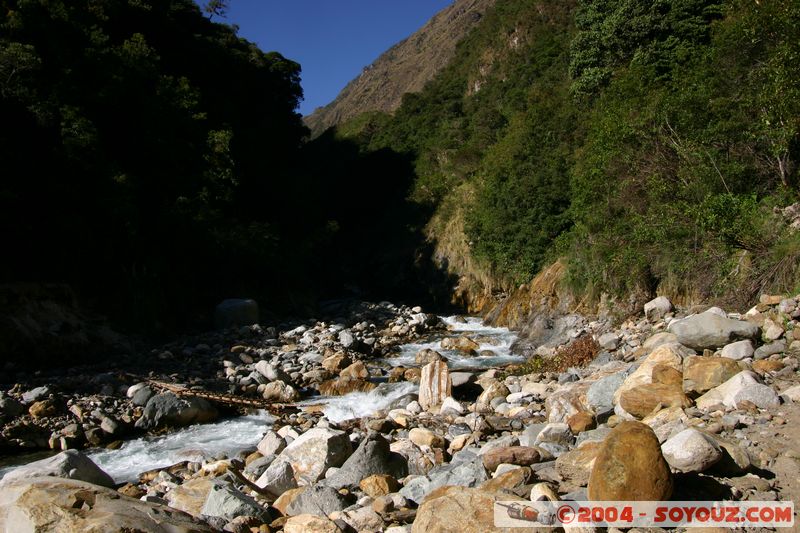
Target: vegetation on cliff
645	142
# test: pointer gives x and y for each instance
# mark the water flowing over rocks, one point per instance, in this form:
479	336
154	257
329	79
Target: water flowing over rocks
385	432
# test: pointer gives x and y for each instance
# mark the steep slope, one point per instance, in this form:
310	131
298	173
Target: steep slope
652	150
405	67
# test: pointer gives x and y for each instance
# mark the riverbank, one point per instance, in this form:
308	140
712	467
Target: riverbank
706	399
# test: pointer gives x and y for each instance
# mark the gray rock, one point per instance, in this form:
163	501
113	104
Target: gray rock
609	341
770	349
709	330
167	409
10	407
600	395
372	456
554	433
738	350
235	312
271	443
69	464
656	309
316	450
530	433
259	466
462	378
277	478
142	396
225	501
594	435
34	395
761	395
272	372
465	470
691	451
318	500
346	338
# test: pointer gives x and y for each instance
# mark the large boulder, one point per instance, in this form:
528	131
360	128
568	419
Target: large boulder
69	464
305	523
167	409
235	312
315	451
190	496
462	509
372	456
709	330
630	466
52	505
434	384
280	392
670	355
277	478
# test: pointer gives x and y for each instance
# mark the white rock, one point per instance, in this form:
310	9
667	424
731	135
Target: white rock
738	350
452	405
270	444
316	450
691	451
656	309
725	393
793	393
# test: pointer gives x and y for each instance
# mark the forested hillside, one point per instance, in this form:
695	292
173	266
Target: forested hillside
154	162
648	144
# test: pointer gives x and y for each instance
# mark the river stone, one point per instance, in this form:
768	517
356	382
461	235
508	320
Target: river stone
142	396
277	478
167	409
709	330
655	309
434	385
462	509
465	470
792	393
609	341
426	437
316	450
738	350
426	355
642	400
36	394
515	455
190	496
272	372
691	451
667	354
600	395
378	485
568	400
10	407
48	504
772	348
235	312
658	339
225	501
271	443
307	523
280	392
724	394
462	344
701	374
759	395
69	464
630	466
373	456
576	465
419	462
318	500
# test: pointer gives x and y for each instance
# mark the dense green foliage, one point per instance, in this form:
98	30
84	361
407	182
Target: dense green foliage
645	141
144	151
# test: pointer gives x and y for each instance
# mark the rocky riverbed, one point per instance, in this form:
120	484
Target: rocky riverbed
375	438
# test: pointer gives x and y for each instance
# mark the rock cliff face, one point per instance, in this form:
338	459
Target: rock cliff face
404	68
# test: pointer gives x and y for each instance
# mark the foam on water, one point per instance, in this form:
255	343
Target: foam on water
362	404
500	346
192	443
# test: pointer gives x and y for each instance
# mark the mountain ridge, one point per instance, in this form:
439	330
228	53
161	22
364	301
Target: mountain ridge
404	68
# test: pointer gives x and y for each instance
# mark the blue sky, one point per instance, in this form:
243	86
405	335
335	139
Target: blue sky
331	39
